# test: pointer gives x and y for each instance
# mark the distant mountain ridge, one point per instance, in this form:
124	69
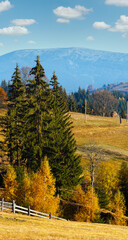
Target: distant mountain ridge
74	67
113	87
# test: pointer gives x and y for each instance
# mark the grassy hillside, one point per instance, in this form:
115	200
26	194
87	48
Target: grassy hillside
108	134
31	228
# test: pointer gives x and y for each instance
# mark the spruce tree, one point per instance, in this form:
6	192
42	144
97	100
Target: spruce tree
63	160
14	121
37	117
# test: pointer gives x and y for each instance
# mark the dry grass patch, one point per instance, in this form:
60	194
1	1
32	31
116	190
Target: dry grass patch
107	132
23	227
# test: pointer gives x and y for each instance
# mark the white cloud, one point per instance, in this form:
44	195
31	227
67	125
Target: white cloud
23	22
31	42
5	5
1	44
100	25
14	31
63	20
71	13
90	38
120	3
121	25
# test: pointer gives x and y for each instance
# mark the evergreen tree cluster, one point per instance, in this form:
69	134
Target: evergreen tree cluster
38	124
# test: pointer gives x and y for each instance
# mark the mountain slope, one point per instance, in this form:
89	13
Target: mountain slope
74	66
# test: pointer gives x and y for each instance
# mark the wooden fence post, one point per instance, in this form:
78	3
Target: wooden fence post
2	204
29	211
13	206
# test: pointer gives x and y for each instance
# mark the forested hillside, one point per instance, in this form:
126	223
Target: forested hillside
54	167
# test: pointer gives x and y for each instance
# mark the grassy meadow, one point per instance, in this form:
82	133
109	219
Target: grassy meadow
31	228
106	133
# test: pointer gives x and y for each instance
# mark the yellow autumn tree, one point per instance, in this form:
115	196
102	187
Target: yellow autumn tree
118	208
42	190
88	206
106	183
10	184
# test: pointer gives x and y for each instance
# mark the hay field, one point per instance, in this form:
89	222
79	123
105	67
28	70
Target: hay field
107	133
16	226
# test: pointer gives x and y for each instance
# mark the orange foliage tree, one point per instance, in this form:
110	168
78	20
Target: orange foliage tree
10	184
88	207
36	190
118	207
3	97
41	190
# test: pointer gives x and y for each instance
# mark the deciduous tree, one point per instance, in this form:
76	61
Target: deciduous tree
104	103
42	196
118	207
10	184
88	202
106	183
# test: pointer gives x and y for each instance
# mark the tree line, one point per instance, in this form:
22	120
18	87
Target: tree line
102	103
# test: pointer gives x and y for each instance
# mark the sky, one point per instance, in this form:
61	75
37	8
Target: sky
41	24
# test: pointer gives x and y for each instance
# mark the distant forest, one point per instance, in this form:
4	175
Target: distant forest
102	102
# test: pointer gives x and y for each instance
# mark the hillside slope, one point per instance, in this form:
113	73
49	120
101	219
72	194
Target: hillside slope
108	135
74	66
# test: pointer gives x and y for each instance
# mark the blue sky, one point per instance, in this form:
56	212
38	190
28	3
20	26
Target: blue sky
94	24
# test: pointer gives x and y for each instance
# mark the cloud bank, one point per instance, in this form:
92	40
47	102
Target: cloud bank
14	31
23	22
100	25
67	13
121	25
5	5
119	3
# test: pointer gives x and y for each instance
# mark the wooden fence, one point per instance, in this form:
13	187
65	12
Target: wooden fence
12	207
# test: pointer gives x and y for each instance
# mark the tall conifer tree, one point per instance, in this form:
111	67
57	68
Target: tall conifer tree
14	120
37	116
63	160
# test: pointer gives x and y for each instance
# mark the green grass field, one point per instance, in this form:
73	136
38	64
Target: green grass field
16	226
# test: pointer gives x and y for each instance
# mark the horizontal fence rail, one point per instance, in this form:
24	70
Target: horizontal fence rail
8	206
